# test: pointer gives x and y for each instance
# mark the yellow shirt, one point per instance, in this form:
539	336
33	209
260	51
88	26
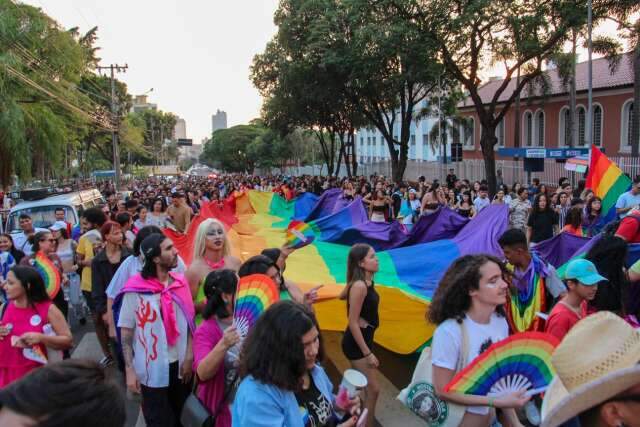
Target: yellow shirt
85	247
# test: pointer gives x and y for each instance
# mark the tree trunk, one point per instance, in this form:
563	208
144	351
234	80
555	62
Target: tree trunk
351	142
635	129
573	131
488	141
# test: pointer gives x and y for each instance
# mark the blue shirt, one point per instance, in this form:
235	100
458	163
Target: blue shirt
627	200
264	405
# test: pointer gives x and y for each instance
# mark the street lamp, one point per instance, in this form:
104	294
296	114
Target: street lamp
590	74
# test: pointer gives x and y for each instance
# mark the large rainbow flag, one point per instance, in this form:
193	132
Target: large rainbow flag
607	181
411	263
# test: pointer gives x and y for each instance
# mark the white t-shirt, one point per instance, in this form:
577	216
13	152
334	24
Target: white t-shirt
128	319
447	343
21	242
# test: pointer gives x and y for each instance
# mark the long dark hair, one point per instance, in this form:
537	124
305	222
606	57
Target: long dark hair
16	253
355	273
609	254
574	217
273	352
216	283
258	264
589	207
452	299
50	395
32	283
36	239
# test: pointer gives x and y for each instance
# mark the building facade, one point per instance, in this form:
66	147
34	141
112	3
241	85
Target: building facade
371	146
218	121
140	103
180	129
544	120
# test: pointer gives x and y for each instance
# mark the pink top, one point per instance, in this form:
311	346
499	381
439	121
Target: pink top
211	392
13	364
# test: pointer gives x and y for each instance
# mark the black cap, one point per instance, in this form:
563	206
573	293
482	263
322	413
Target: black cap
150	246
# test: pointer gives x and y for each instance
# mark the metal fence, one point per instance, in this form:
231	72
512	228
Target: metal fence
512	170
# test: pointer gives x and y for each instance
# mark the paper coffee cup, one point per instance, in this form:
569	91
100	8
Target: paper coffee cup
353	381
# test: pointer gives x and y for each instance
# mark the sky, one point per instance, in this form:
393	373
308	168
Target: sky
194	54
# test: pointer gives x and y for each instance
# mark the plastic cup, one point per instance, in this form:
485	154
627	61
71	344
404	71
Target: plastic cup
352	381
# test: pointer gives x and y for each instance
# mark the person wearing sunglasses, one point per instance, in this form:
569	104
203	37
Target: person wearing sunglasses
44	243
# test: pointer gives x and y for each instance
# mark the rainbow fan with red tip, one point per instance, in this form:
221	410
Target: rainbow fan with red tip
519	362
299	234
254	295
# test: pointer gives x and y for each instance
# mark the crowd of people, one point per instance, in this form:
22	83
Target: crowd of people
168	326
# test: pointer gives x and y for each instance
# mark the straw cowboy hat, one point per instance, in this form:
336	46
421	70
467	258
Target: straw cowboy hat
597	360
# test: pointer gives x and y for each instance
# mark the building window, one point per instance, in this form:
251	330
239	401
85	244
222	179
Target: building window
597	125
582	125
564	128
468	127
425	146
539	128
528	129
500	133
627	126
412	147
382	144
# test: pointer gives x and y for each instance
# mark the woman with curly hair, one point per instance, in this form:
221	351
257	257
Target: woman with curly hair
282	382
592	221
467	307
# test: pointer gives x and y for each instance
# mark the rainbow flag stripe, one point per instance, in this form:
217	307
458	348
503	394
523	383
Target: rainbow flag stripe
607	181
49	273
254	295
524	355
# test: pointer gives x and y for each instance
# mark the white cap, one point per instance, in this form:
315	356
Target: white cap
58	225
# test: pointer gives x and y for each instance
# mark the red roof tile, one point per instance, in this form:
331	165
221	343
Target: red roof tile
602	79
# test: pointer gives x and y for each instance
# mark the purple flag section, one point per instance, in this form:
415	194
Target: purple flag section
442	224
562	247
329	203
332	226
481	234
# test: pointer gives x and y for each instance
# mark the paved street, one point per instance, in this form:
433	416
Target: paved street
395	373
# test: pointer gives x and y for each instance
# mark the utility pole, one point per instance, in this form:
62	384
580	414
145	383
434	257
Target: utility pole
114	111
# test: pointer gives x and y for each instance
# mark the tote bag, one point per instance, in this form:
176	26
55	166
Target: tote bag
420	395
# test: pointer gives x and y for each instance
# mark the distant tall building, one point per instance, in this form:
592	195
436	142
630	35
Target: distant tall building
140	103
218	121
180	129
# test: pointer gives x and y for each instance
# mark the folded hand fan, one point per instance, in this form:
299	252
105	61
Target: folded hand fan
520	362
254	295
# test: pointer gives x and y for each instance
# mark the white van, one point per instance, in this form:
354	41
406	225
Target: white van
42	211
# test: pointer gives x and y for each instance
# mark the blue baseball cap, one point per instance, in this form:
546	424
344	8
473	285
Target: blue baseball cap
583	271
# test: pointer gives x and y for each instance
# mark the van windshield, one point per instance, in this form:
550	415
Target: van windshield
42	217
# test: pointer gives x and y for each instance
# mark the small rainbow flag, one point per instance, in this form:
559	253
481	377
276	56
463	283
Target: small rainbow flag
254	295
299	234
607	181
49	273
520	362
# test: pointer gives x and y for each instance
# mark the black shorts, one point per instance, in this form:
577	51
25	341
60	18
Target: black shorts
350	347
89	299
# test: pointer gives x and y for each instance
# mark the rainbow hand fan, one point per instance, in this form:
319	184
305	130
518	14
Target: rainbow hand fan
49	273
254	295
299	234
520	362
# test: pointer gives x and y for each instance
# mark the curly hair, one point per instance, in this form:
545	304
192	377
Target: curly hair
452	299
609	254
273	352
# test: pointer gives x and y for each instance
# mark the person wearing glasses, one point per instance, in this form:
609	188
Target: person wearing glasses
211	251
44	242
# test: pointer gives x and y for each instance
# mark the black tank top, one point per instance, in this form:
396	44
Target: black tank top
379	208
369	310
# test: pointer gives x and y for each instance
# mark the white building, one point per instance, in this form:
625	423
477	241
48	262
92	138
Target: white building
218	121
140	103
372	147
180	129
